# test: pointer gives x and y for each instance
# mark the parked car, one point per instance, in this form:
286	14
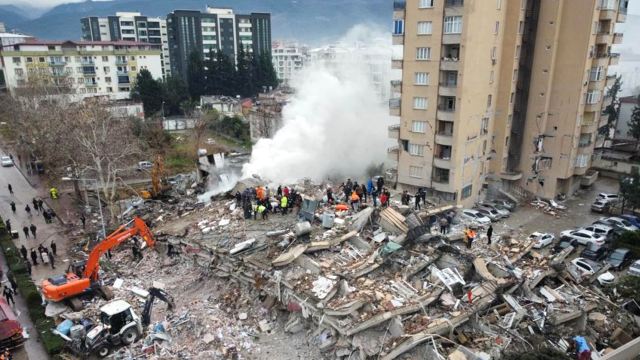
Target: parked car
600	229
584	237
144	165
586	267
6	161
621	223
564	243
634	269
504	212
494	215
594	252
608	197
606	278
541	239
619	258
600	206
509	205
634	220
475	216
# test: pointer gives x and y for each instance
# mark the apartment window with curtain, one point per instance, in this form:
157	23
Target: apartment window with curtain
484	126
422	78
423	53
453	24
398	27
597	73
415	171
420	103
582	160
593	97
419	126
425	4
424	28
466	191
416	150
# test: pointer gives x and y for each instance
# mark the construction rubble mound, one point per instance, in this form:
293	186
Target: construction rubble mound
377	283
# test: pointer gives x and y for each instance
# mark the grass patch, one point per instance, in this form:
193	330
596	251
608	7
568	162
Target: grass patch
53	344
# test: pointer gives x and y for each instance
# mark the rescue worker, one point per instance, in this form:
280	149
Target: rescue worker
33	229
25	229
581	347
34	256
489	233
417	199
28	210
10	189
283	204
8	294
53	248
444	224
355	201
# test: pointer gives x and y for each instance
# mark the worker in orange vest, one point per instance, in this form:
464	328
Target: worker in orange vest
355	201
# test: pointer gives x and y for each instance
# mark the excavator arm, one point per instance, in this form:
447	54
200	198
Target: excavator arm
114	239
148	305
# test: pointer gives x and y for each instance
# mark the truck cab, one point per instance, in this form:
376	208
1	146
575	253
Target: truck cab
119	325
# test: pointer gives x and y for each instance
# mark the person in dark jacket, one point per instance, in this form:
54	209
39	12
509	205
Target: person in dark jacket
489	233
25	229
24	252
34	257
33	229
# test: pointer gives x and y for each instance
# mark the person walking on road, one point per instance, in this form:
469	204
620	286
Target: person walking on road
23	251
42	251
10	189
40	204
8	226
34	257
83	220
25	229
489	233
33	229
35	204
28	210
13	207
53	248
51	259
8	294
12	281
28	265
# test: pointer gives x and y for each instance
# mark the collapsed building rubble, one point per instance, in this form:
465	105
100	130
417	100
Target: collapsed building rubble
378	282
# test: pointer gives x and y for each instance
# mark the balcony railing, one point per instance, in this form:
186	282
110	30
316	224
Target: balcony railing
440	179
446	108
87	62
394	103
120	61
57	63
451	3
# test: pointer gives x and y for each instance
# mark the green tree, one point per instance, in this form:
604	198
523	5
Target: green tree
195	75
149	91
629	240
174	93
634	123
212	73
612	110
245	75
268	75
630	191
226	76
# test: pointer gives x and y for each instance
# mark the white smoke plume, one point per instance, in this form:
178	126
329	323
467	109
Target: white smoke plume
336	124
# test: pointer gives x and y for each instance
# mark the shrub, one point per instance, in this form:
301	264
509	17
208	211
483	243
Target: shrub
629	240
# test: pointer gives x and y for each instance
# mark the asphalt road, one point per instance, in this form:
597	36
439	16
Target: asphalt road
23	193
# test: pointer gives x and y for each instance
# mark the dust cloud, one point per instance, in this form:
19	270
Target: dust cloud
335	125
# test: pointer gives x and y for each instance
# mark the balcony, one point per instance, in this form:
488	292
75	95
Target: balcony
123	80
447	89
442	162
445	114
451	39
593	107
603	38
122	73
601	59
608	14
396	64
394	131
88	62
396	86
393	152
121	61
611	79
90	84
57	63
394	107
511	175
397	39
618	38
614	59
622	17
88	71
449	64
444	138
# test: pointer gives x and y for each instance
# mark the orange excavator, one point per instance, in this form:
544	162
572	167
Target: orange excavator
82	276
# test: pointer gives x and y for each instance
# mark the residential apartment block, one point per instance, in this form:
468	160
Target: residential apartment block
129	26
89	68
216	29
287	60
504	93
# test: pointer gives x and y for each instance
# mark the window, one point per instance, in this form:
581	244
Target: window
597	73
422	78
29	59
466	191
582	160
517	51
107	79
419	127
416	150
415	171
425	4
497	28
398	27
511	97
106	69
16	60
515	74
19	72
453	24
593	97
489	100
484	126
498	4
521	27
523	4
424	27
506	141
509	120
420	103
585	140
105	58
42	59
423	53
493	54
491	76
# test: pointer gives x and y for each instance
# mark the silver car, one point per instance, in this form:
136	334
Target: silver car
490	213
6	161
500	209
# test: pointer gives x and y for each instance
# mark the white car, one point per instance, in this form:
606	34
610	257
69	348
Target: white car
541	239
502	211
586	267
634	269
622	223
6	161
608	197
583	237
599	229
488	212
475	216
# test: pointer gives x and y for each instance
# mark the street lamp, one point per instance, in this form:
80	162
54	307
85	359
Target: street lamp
66	178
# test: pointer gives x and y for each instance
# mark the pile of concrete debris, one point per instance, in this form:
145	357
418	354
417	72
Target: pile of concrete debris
344	285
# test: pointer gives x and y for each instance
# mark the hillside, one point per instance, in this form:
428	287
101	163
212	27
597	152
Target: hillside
310	21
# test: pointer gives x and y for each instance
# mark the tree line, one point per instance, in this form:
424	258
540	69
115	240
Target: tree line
217	75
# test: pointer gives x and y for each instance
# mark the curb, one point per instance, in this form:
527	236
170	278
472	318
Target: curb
46	201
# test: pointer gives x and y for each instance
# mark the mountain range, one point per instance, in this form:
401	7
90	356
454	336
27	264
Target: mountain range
309	21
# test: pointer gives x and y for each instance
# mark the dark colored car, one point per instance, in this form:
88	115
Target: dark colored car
564	243
634	220
619	258
594	252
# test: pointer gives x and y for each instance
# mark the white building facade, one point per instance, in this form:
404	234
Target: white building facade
287	60
89	68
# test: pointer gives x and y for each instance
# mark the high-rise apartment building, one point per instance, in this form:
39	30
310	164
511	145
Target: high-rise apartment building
129	26
498	92
87	68
216	29
287	60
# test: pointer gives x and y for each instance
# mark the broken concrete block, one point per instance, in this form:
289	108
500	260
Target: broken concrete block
396	329
208	338
264	326
242	316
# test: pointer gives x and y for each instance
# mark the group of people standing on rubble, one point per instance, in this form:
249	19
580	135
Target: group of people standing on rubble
259	201
357	194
